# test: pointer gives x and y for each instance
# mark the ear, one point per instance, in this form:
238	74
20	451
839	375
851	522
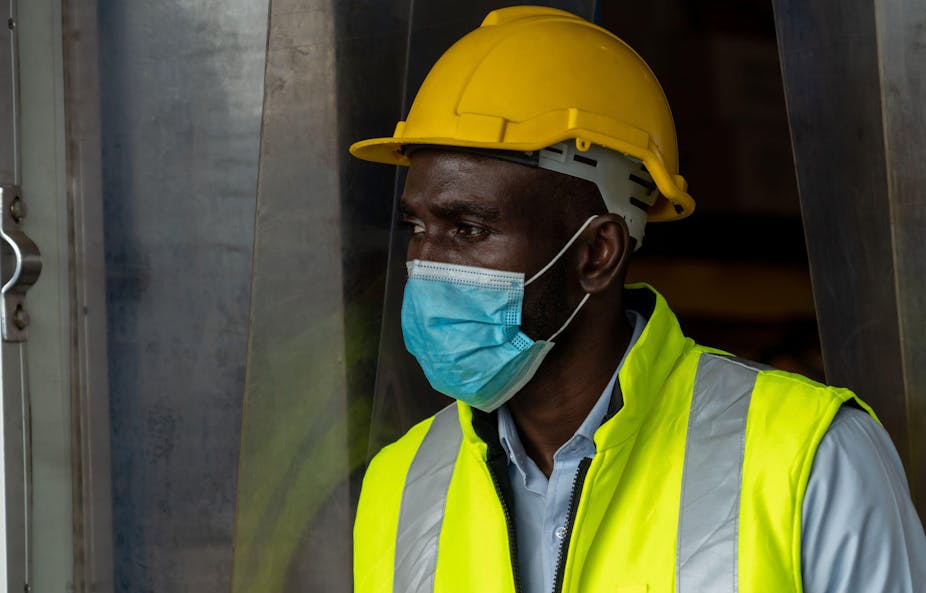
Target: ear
607	249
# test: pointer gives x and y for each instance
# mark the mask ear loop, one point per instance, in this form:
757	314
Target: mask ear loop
553	261
562	251
571	317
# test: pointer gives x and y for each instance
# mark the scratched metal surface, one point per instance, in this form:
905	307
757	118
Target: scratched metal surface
181	86
854	83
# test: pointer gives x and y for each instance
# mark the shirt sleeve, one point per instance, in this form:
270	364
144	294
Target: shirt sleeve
860	530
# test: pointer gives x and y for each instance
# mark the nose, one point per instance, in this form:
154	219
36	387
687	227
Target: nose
419	248
426	247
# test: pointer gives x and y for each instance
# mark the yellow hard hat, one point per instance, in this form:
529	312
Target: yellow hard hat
531	77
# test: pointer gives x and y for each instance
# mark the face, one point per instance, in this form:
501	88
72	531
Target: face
484	212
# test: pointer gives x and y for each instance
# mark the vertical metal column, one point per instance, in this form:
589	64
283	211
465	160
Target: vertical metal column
19	267
855	86
59	157
9	96
90	456
901	33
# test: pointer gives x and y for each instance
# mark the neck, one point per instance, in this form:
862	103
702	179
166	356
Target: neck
549	409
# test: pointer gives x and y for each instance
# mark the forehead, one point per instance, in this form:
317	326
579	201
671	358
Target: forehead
436	176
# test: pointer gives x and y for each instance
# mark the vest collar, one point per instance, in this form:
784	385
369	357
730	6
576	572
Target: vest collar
645	370
647	365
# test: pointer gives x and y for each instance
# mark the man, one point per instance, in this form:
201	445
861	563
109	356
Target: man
593	446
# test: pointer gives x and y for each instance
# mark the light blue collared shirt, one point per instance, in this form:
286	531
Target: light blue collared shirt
860	531
540	505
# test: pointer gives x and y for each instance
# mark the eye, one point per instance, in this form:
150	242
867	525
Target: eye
413	227
470	231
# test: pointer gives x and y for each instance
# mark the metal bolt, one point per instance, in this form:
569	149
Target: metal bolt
17	209
20	318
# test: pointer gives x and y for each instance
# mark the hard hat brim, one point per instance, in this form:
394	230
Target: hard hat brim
673	203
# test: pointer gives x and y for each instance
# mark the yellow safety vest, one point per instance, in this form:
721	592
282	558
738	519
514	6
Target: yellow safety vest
697	484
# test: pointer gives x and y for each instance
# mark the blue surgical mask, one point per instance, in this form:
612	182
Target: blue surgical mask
463	324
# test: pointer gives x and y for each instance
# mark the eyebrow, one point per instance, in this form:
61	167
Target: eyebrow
454	209
457	208
404	210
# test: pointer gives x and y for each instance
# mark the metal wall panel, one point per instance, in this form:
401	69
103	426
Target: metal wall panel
45	189
16	493
294	452
334	70
182	97
854	83
901	33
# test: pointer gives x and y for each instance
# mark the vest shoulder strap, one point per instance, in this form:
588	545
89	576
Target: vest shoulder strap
712	475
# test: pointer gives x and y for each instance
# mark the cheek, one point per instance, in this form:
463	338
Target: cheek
545	304
539	252
510	253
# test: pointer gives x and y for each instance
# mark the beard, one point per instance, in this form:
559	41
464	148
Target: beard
546	303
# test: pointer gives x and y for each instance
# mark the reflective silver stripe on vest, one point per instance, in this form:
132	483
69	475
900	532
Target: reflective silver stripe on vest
711	480
423	499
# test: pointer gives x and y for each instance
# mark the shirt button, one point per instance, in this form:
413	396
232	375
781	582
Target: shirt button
560	532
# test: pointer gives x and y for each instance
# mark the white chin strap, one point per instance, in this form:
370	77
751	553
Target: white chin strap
553	261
